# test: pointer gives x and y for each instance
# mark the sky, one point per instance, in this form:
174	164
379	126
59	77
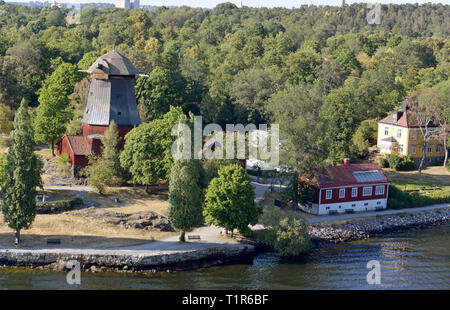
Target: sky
251	3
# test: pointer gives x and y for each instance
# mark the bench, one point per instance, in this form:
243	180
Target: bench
332	212
193	237
349	211
379	208
54	241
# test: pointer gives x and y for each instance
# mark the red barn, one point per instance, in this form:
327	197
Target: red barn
349	188
111	97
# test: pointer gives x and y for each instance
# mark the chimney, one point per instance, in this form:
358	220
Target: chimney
346	161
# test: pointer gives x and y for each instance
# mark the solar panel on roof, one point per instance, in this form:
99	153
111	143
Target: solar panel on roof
368	176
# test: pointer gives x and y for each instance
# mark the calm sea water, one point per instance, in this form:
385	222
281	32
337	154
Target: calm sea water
412	260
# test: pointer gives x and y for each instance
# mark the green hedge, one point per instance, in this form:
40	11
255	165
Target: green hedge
46	207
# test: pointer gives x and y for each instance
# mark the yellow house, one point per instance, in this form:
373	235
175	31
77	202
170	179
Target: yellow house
399	133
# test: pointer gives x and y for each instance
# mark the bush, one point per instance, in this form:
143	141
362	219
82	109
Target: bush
286	231
383	162
406	164
393	160
46	207
398	162
63	162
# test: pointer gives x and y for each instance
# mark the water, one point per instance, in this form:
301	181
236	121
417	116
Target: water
412	260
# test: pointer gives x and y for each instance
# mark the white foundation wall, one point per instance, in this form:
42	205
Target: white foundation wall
356	206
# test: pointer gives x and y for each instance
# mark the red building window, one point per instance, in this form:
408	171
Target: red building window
367	191
342	193
354	192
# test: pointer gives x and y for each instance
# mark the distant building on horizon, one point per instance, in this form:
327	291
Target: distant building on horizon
341	3
128	4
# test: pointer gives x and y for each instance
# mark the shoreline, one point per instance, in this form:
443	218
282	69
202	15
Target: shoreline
360	229
322	234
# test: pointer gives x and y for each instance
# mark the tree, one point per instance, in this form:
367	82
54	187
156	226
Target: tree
365	136
54	111
249	91
6	116
442	112
286	231
105	170
422	103
147	152
164	88
230	200
296	110
22	175
186	185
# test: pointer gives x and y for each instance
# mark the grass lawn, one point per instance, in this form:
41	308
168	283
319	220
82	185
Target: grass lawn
75	229
411	189
433	175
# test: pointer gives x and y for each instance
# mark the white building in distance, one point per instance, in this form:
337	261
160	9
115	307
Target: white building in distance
128	4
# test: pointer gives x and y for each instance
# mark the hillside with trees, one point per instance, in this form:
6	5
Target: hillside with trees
318	71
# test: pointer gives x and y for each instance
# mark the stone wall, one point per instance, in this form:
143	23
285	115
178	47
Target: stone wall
127	260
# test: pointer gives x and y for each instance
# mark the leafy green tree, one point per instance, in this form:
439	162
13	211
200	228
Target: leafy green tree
22	175
296	110
230	200
302	66
23	67
249	91
147	152
6	116
365	136
163	89
105	170
441	110
286	231
54	111
186	185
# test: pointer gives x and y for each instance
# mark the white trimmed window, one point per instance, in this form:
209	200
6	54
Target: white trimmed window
429	149
399	133
379	190
354	191
438	148
342	193
329	194
386	131
413	149
413	135
400	148
367	191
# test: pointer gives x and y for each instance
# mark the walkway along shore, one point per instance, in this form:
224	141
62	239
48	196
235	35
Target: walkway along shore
212	249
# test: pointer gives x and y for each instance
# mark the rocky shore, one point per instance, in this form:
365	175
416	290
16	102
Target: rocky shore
95	260
367	228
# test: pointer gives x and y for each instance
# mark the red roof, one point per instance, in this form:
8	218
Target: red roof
79	145
351	174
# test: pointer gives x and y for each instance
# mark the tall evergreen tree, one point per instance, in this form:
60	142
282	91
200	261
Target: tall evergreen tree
186	185
22	175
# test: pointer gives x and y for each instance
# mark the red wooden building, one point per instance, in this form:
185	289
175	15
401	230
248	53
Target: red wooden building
349	188
111	97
